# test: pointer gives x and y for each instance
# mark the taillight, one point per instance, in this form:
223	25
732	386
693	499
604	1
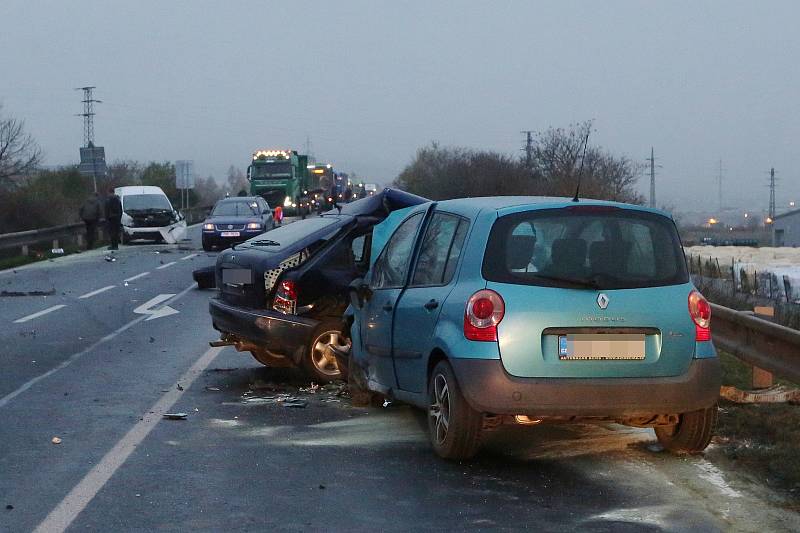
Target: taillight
286	297
700	311
485	309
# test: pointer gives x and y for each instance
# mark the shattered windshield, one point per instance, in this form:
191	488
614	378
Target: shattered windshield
235	209
140	202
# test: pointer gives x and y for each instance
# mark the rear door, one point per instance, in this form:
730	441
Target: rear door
417	310
590	291
388	277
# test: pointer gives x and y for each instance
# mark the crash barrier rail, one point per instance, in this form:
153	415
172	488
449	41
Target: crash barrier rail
57	236
770	348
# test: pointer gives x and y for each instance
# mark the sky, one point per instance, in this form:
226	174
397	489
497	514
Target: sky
369	82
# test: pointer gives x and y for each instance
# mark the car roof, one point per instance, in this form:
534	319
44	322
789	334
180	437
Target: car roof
472	206
239	199
130	190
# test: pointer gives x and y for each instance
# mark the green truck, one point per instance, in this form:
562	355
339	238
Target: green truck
280	177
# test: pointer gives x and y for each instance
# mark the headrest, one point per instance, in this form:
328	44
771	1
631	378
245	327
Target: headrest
519	250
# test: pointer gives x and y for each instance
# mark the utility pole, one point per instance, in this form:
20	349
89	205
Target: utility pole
771	194
652	161
719	186
528	147
88	124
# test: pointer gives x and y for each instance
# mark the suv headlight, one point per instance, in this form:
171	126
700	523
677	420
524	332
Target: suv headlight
208	227
253	225
287	201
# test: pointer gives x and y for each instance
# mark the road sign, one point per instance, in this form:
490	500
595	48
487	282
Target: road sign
184	174
93	161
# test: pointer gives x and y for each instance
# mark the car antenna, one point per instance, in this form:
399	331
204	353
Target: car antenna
583	157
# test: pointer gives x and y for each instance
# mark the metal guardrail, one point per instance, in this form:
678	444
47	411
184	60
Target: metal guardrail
57	235
756	341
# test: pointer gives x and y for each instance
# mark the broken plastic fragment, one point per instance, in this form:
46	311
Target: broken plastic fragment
175	416
55	440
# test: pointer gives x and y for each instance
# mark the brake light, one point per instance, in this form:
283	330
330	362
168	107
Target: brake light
700	311
286	297
485	309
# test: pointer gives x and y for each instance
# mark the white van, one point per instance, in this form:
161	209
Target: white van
148	214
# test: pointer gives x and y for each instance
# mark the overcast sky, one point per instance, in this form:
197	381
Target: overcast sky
370	82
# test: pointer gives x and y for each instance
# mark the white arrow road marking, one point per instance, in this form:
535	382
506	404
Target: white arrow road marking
40	313
98	291
147	307
165	265
137	276
188	257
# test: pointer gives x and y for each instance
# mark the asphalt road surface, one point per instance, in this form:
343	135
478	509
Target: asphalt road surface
118	344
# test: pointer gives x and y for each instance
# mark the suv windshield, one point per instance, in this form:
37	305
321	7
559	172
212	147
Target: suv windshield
585	247
140	202
235	209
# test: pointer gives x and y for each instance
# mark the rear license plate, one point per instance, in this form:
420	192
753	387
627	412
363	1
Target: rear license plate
601	347
230	234
237	276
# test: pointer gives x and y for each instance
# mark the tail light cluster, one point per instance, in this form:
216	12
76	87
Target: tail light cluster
700	311
285	299
485	309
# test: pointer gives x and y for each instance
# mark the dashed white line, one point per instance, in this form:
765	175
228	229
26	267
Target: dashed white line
137	276
40	313
188	257
95	293
84	492
165	265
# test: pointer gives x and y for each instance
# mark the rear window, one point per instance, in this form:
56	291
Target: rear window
585	247
315	230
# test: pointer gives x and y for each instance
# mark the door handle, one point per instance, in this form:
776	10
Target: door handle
387	307
431	305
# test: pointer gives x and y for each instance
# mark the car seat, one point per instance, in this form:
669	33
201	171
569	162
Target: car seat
568	258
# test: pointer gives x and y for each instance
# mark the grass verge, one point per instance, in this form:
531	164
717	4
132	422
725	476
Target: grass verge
763	439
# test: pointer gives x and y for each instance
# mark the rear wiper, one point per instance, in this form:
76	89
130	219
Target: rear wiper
265	242
586	283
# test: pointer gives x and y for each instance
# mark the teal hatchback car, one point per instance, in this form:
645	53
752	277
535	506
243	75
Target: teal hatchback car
527	310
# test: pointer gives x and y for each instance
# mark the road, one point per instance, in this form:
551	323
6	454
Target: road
118	344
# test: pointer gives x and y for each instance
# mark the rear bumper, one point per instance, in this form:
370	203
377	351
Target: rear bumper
281	334
489	389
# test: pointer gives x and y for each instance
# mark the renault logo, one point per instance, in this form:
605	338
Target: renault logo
602	300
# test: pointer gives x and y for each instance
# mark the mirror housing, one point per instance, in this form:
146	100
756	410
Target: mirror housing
359	293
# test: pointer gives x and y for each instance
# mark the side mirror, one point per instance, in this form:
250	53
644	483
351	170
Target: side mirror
359	293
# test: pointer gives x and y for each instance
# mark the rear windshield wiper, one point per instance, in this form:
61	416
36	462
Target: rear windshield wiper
585	283
264	242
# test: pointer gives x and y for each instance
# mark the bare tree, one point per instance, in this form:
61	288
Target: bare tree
19	153
236	181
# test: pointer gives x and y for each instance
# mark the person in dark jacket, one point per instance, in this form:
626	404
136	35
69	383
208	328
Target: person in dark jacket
90	212
113	218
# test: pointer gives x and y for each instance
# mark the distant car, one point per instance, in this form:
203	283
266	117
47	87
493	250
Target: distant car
487	311
234	220
148	214
282	294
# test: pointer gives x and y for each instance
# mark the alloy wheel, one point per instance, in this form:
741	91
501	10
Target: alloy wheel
321	355
440	408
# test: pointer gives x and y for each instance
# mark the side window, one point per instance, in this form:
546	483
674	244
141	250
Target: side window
392	266
455	251
435	250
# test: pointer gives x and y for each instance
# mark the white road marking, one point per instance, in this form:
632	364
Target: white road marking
165	265
137	276
188	257
40	313
81	494
30	383
98	291
147	307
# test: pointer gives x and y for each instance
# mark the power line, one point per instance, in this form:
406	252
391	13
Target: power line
719	185
88	115
652	160
772	193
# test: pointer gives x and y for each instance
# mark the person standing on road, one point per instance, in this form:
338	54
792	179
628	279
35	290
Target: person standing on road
113	218
90	214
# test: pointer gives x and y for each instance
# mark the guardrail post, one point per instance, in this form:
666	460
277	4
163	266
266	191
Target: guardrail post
79	240
25	250
762	379
55	244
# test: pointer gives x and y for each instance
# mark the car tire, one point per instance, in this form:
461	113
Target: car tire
125	239
360	395
454	427
691	434
207	246
321	365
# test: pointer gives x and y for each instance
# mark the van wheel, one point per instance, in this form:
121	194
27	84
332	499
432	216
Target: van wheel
125	238
453	426
691	434
319	361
